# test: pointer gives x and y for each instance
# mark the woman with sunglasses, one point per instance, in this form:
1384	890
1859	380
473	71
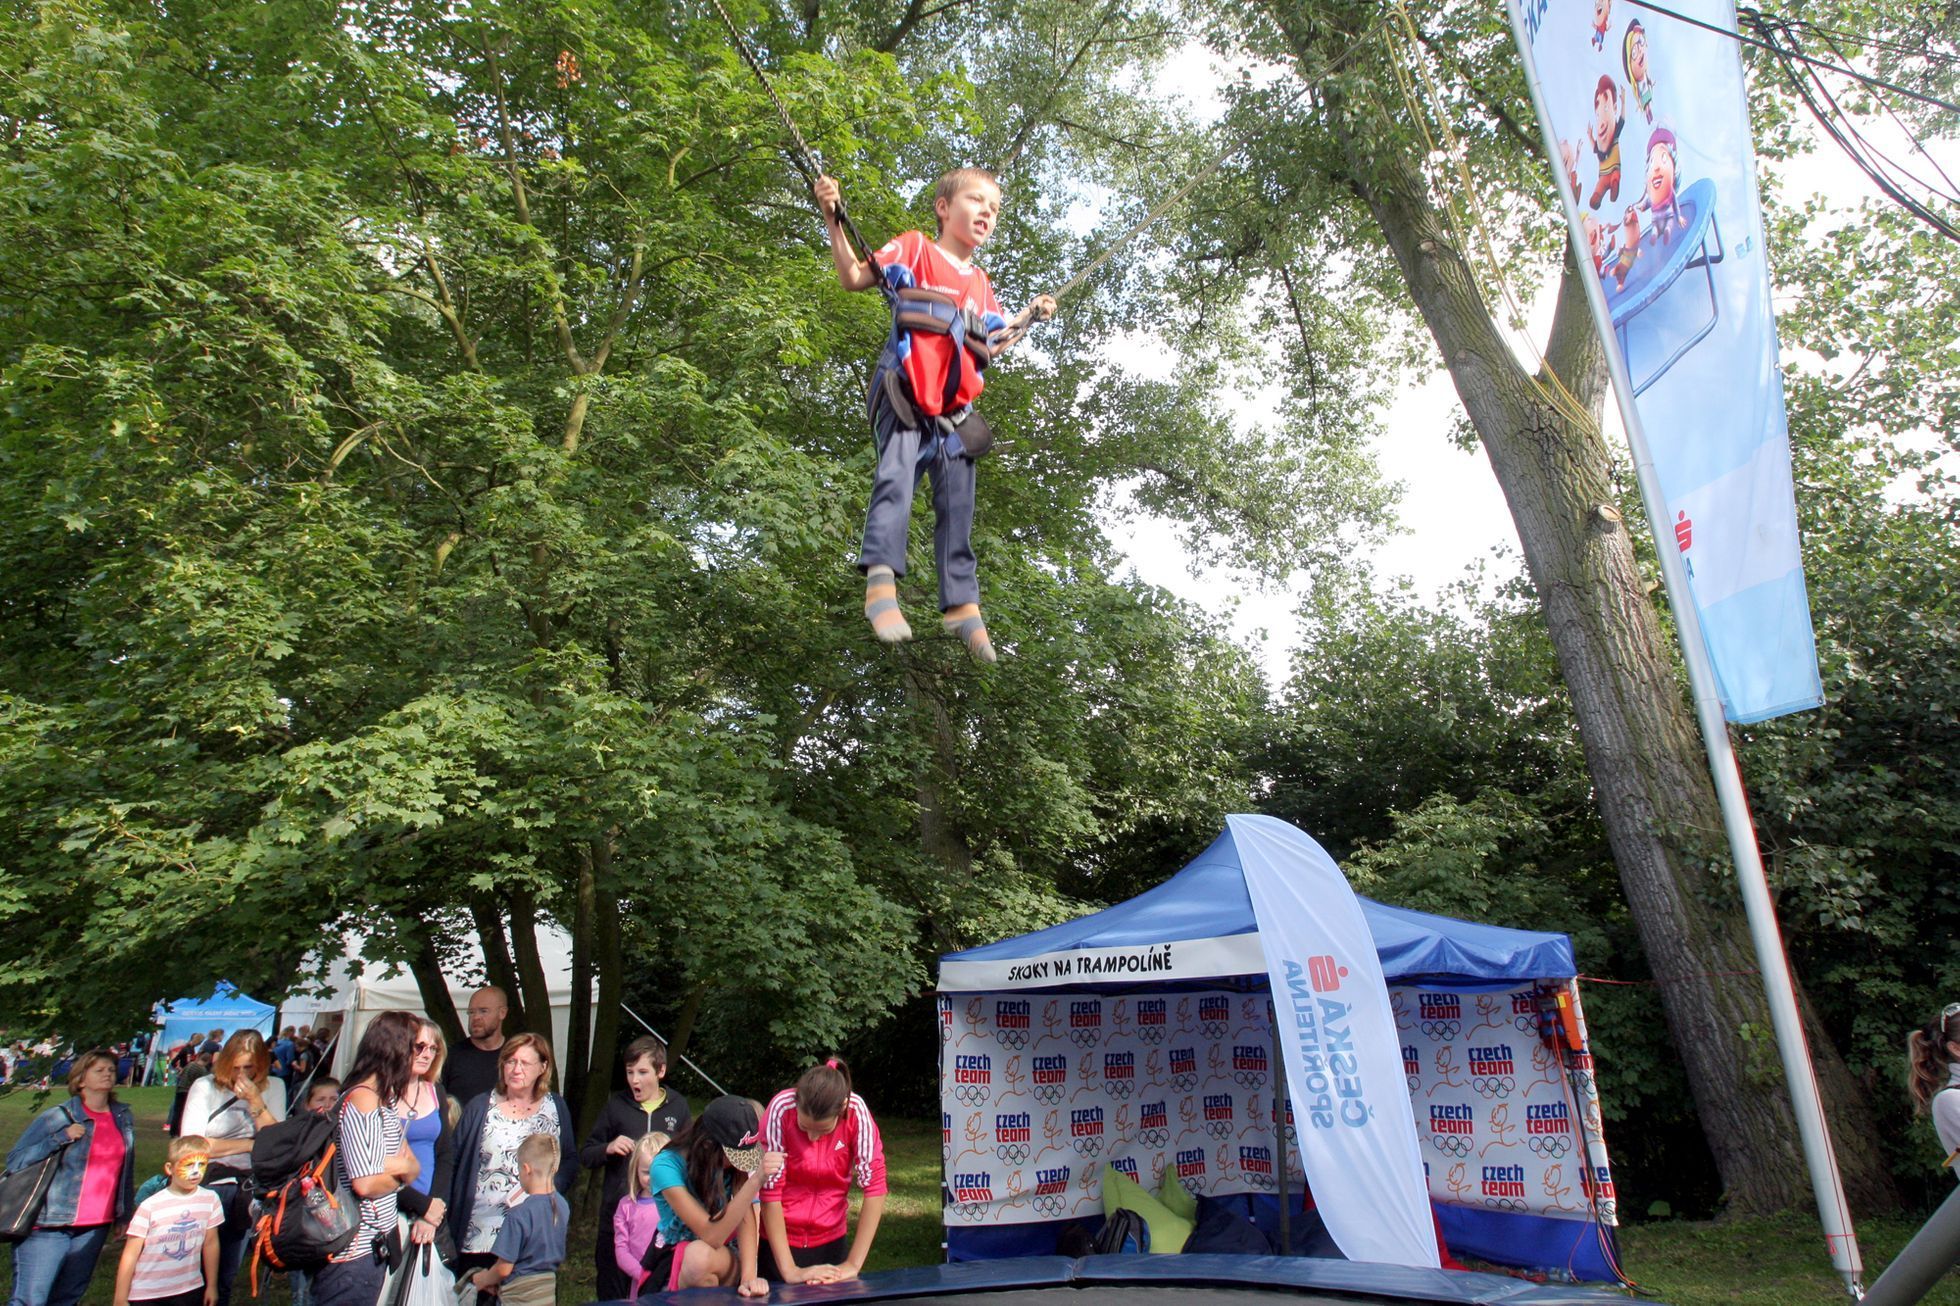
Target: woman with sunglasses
1933	1064
430	1130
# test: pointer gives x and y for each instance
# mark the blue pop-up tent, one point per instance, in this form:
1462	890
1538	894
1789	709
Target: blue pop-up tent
225	1009
1141	1037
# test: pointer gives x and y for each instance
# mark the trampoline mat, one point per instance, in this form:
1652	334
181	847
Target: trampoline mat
1151	1294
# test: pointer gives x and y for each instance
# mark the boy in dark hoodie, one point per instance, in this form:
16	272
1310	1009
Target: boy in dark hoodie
645	1106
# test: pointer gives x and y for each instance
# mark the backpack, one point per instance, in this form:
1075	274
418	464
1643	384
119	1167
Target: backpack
307	1210
1123	1232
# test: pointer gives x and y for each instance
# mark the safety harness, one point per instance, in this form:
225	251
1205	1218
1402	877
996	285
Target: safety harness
916	310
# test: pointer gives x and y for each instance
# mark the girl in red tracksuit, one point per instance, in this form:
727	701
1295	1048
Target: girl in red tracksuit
829	1142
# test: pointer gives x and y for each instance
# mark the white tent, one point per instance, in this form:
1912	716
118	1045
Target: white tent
354	1000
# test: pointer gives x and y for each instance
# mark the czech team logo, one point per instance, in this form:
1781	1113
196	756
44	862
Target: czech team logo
1502	1187
1050	1078
1184	1069
1452	1128
1013	1136
1256	1164
1191	1166
972	1193
945	1020
1221	1116
1441	1015
1214	1014
973	1078
1493	1070
1125	1166
946	1135
1085	1022
1153	1020
1548	1129
1085	1130
1051	1191
1524	1011
1013	1022
1119	1073
1249	1066
1412	1066
1154	1125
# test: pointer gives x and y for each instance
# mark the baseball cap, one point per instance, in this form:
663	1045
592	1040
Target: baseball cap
731	1122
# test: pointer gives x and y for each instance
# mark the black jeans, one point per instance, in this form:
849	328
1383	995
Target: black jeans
349	1283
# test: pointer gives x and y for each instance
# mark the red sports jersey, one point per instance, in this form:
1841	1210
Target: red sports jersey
814	1187
913	260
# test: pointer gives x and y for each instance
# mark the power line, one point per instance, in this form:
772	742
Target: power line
1761	44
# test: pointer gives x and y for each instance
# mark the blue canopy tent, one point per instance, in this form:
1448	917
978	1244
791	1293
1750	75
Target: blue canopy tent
225	1009
1146	1027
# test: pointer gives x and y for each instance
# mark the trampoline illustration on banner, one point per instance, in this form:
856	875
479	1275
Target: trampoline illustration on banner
1661	261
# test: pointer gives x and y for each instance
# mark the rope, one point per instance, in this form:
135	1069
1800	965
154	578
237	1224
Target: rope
1557	395
1757	19
802	156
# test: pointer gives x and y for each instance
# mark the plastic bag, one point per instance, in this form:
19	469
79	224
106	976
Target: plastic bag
421	1279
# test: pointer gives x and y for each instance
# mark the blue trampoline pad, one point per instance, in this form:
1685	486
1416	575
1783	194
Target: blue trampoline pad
1163	1281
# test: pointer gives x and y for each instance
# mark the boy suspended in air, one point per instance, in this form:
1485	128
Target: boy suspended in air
947	326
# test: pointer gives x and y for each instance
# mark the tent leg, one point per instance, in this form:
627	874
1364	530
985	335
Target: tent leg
1279	1137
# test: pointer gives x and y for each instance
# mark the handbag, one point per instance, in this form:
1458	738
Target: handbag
24	1192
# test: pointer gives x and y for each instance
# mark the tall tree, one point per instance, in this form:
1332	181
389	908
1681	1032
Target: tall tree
1362	185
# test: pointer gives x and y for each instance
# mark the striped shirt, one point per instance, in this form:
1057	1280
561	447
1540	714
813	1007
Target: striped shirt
367	1140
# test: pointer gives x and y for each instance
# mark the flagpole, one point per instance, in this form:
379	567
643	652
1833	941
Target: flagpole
1833	1212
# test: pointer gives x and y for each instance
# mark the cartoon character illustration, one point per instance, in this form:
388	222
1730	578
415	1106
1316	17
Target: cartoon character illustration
1501	1128
1012	1080
1663	201
1602	19
1120	1021
1448	1073
1458	1181
1184	1016
1629	248
1596	242
1398	1001
1640	77
1153	1069
1051	1014
1051	1126
1553	1182
1489	1008
1216	1060
1568	153
1545	1063
1156	1172
1609	120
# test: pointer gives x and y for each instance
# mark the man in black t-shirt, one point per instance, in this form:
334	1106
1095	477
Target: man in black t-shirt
471	1070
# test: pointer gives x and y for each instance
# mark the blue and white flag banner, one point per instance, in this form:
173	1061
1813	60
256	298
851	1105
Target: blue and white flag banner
1339	1047
1648	123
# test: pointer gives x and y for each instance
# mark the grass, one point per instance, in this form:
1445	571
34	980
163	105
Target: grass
1768	1262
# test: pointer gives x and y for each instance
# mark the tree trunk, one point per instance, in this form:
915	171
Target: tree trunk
690	1012
1647	764
608	963
434	987
498	968
530	966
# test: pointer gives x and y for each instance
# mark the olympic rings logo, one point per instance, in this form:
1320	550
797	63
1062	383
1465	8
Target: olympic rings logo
1051	1206
1249	1078
1086	1146
1085	1038
1012	1153
971	1094
1050	1093
1507	1204
1212	1028
1550	1146
1456	1145
1015	1039
1415	1082
1154	1138
1525	1024
971	1212
1119	1087
1184	1083
1493	1085
1152	1034
1441	1031
1219	1128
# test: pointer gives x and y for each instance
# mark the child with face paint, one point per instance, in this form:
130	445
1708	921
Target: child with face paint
171	1255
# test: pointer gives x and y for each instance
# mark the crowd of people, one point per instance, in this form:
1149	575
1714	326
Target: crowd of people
471	1153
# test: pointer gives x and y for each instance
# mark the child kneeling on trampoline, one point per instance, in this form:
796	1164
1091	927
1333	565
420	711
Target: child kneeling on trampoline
946	326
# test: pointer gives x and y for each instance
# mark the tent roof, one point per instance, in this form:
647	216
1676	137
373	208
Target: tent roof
225	1003
1206	904
382	986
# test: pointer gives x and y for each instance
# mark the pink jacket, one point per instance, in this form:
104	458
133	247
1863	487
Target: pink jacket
634	1224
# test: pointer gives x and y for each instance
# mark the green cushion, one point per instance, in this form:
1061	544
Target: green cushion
1168	1230
1178	1199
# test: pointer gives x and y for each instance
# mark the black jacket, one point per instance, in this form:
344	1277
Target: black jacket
623	1116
